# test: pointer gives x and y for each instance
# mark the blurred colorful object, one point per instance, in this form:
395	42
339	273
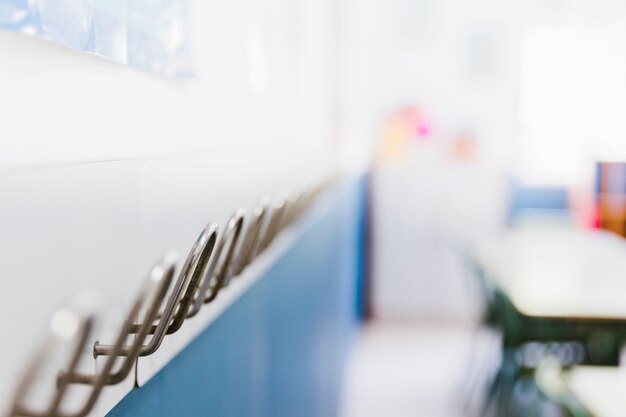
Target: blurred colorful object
463	147
408	125
150	35
611	196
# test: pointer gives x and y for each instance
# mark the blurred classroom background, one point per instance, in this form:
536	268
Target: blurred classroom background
498	125
489	140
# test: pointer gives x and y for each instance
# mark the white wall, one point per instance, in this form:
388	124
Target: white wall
458	61
64	106
420	52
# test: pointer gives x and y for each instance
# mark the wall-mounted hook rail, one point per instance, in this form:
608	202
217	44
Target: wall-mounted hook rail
214	259
152	294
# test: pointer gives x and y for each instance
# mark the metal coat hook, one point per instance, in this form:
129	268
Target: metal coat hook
220	268
273	223
160	277
152	294
249	243
168	265
196	266
175	311
292	208
200	260
179	302
66	324
219	264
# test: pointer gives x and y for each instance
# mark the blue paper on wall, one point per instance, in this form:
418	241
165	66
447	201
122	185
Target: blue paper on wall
150	35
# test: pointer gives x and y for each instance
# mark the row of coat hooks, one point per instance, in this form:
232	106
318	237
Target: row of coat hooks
162	305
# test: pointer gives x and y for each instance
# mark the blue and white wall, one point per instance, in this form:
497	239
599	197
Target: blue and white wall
105	168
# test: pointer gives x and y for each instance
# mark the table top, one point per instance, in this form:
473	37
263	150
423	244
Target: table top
600	390
558	272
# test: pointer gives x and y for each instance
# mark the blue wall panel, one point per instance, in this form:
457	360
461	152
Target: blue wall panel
280	349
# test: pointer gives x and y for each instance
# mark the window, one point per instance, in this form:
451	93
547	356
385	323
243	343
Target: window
572	103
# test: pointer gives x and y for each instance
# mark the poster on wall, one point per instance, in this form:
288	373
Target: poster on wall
150	35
